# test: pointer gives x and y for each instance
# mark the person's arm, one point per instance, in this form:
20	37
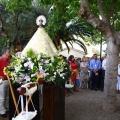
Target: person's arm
103	64
81	66
0	69
91	65
118	70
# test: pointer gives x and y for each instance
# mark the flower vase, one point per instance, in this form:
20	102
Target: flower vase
53	102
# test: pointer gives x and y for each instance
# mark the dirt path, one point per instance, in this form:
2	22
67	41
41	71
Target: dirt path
87	105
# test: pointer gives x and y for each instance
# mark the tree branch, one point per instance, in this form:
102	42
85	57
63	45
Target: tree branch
117	37
101	11
85	13
111	10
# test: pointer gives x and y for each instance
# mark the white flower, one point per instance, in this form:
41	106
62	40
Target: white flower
52	59
41	20
29	59
42	72
68	24
50	64
55	73
27	78
61	75
30	64
26	64
17	68
22	58
18	54
47	73
33	75
38	57
60	70
47	61
40	67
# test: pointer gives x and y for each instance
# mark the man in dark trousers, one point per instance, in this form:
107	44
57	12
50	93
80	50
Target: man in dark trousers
95	66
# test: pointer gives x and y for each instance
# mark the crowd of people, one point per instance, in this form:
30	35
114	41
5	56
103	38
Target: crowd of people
89	73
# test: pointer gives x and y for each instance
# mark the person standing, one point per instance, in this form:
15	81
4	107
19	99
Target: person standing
118	78
95	66
4	86
74	72
84	73
103	73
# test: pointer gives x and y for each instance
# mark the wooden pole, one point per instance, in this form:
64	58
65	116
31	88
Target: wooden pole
12	92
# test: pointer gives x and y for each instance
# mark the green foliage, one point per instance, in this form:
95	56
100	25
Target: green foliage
20	25
3	43
18	5
110	7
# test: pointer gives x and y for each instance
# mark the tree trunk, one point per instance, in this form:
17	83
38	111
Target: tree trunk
109	102
113	47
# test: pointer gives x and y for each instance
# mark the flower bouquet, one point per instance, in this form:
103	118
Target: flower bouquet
23	69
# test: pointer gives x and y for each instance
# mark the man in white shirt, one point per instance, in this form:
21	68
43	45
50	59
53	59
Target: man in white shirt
103	73
118	78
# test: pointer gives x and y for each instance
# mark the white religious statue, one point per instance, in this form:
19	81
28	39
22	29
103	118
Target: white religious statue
41	42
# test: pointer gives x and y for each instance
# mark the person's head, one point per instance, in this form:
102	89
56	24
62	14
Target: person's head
95	56
71	58
6	52
87	59
84	59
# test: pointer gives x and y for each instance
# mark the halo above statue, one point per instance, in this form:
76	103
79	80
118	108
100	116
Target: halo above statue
41	20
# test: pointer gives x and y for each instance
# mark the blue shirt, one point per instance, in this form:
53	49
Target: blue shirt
95	64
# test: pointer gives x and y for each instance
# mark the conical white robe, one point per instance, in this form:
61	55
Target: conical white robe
41	43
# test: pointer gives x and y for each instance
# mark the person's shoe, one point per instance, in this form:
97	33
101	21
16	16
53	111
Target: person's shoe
95	89
102	90
67	95
76	91
4	115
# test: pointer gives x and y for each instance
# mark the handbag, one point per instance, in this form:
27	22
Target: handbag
86	78
69	86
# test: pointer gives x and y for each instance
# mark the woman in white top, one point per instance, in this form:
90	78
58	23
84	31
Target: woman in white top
118	78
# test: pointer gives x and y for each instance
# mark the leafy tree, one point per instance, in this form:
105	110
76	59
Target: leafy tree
104	16
19	24
20	16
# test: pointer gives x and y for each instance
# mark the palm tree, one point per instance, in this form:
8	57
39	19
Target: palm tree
70	34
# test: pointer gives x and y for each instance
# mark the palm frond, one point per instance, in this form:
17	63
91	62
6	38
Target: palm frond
67	46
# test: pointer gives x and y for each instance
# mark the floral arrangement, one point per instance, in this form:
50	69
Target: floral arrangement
23	69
